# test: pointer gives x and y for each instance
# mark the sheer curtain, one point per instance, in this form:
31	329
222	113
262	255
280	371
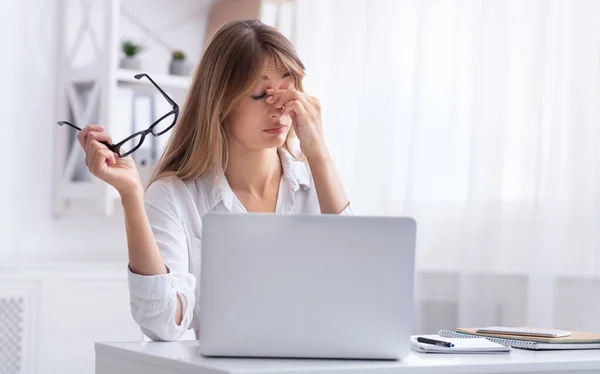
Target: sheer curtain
480	119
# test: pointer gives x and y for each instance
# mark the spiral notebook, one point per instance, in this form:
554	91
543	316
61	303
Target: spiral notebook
521	343
461	345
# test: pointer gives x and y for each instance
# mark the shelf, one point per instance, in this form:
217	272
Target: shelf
91	81
165	81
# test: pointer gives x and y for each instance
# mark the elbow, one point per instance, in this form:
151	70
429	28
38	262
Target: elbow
157	320
160	336
159	329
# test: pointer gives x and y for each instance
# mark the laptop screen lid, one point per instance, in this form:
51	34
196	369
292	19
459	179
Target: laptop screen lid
320	286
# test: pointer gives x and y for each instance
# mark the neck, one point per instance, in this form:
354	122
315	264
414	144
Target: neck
253	171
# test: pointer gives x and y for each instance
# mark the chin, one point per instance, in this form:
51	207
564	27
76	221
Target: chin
275	142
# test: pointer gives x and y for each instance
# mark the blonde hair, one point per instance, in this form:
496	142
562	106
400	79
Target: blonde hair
230	67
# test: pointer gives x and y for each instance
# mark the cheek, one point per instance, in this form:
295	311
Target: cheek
287	85
247	118
285	120
250	109
235	122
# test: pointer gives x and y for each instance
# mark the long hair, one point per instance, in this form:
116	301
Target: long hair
231	65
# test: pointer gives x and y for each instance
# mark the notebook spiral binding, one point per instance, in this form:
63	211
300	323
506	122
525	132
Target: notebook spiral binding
523	344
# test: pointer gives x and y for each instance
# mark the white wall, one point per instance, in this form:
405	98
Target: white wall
9	17
34	89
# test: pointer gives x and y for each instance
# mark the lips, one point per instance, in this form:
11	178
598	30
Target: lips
275	129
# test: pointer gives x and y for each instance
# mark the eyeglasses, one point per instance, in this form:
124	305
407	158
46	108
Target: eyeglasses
130	144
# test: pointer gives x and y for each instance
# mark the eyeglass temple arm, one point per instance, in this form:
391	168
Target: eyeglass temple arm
60	123
139	76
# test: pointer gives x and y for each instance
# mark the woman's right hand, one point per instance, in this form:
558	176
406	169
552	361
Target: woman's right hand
119	172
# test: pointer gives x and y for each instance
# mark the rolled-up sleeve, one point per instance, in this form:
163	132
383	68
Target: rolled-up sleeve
154	298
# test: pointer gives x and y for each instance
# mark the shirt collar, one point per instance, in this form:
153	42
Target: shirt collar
296	175
295	171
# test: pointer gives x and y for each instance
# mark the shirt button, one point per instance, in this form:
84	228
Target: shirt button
173	283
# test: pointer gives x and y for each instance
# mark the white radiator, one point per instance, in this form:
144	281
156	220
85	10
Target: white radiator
11	334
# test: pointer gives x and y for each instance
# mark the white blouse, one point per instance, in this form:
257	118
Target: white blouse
175	209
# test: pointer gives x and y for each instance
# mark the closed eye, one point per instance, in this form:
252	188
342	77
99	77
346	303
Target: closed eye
261	96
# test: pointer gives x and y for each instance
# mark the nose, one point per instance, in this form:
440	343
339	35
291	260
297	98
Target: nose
274	113
284	84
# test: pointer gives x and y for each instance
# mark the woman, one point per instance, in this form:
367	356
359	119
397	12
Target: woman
248	140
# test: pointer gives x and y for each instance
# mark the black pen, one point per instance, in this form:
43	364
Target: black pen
435	342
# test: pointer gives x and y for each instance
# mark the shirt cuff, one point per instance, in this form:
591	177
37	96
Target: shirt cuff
347	211
151	287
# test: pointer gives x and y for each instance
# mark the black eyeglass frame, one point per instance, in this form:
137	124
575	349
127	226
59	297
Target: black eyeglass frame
116	147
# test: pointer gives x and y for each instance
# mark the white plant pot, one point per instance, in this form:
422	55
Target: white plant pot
178	67
130	63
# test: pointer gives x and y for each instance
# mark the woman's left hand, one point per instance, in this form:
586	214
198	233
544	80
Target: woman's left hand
305	112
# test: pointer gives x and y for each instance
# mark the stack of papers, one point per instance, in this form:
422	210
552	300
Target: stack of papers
577	340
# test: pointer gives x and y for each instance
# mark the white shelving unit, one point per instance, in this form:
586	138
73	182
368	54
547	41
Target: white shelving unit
125	77
87	93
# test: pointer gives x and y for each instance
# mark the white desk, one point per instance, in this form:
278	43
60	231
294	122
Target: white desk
182	357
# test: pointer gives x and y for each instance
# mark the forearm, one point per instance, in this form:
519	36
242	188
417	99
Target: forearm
330	192
144	254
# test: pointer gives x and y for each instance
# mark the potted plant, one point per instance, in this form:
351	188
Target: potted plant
178	65
131	50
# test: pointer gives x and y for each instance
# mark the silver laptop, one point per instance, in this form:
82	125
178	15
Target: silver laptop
306	286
